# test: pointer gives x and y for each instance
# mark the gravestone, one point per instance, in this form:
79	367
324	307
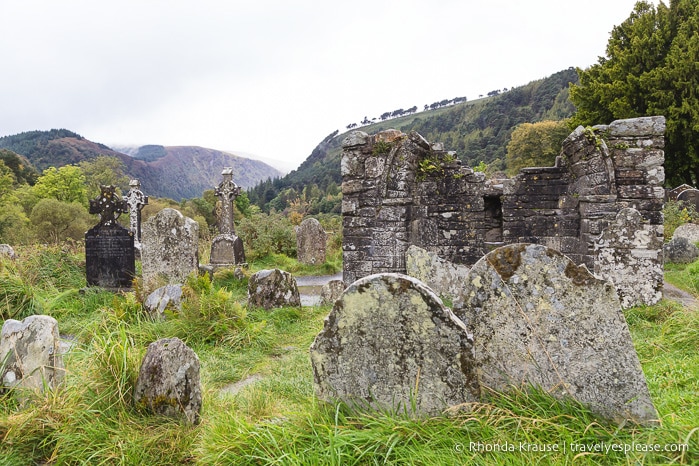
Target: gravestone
539	320
629	253
390	344
442	276
29	354
168	297
331	291
168	381
110	261
170	248
680	250
136	200
226	248
689	231
7	251
273	288
310	242
691	197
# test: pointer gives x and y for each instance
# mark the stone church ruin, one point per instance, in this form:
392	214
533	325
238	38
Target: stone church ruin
600	204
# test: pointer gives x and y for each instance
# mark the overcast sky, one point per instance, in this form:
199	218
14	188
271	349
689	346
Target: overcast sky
273	78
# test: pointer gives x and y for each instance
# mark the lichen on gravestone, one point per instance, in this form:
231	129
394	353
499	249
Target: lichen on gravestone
540	320
390	344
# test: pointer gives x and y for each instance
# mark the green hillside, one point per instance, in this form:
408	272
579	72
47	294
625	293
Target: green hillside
477	130
181	172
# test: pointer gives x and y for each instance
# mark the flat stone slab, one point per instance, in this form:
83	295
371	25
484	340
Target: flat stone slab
390	344
539	320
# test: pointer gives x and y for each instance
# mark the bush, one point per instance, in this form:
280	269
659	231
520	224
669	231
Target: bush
265	234
677	213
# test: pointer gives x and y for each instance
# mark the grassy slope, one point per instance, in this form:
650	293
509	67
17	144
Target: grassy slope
91	420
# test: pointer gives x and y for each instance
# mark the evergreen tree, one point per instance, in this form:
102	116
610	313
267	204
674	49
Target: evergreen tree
651	68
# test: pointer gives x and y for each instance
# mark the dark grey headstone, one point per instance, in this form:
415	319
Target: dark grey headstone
110	261
227	250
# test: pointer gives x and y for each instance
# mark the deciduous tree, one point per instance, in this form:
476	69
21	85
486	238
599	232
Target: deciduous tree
535	145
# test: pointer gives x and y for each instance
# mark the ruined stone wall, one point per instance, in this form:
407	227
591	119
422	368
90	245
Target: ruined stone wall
399	190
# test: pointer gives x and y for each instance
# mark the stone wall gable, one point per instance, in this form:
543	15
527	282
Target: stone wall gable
398	190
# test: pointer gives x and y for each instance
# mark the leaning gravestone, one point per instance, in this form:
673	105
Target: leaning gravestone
389	343
273	288
539	320
226	248
110	261
168	381
310	242
29	353
170	248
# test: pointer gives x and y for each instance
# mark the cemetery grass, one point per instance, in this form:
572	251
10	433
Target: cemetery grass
276	419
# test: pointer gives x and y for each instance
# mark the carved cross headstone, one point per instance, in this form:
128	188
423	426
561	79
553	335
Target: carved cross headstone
135	200
226	247
109	248
108	206
227	191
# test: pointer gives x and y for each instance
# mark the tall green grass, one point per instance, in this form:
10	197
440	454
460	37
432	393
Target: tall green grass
91	419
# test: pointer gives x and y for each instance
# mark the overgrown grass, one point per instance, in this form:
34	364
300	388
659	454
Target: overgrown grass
91	419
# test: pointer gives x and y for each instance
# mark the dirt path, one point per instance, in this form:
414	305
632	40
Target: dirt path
675	294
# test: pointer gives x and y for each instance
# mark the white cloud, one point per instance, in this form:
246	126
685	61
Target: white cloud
273	77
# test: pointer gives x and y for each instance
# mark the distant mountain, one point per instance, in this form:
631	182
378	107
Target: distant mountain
477	130
180	172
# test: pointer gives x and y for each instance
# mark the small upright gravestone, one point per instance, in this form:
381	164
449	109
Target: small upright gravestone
310	242
389	343
691	197
170	248
273	288
540	320
136	200
110	261
29	353
168	381
226	247
680	250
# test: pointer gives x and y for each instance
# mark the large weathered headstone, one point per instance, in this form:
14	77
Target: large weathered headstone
110	261
29	353
539	320
226	248
389	343
168	381
310	242
136	200
629	253
273	288
444	277
170	248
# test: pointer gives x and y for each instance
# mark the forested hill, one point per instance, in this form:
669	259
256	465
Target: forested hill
180	172
477	130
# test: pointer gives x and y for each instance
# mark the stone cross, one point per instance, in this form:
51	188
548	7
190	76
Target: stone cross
227	191
136	200
109	206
